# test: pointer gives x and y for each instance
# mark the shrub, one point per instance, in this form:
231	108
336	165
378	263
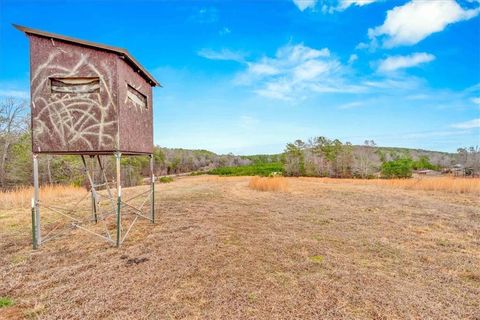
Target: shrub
260	169
424	163
5	302
399	168
165	179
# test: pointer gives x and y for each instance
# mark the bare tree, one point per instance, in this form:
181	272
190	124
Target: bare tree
366	158
475	160
471	160
12	125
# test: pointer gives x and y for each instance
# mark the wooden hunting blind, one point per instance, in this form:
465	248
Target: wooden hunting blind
88	99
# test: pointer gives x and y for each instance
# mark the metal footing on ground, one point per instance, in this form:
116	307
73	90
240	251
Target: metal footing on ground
116	212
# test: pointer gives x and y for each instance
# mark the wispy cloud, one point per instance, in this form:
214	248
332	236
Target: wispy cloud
471	124
351	105
344	4
224	31
416	20
330	6
394	63
224	54
295	71
352	59
398	83
205	15
302	5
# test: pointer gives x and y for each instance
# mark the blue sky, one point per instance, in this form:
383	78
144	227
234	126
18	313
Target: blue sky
249	76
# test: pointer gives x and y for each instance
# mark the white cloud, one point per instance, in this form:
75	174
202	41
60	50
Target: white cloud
311	69
280	90
416	20
305	4
294	71
262	69
223	54
344	4
475	123
333	6
297	71
476	100
405	83
351	105
401	62
352	58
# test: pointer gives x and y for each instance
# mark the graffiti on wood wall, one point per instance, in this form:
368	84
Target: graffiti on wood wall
73	107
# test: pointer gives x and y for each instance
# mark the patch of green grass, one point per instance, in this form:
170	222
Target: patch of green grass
5	302
165	179
259	169
317	259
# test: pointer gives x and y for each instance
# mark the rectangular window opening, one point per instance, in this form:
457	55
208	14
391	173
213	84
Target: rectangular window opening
75	85
136	97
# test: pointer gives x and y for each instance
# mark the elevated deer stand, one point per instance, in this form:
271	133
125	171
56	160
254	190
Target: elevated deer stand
90	100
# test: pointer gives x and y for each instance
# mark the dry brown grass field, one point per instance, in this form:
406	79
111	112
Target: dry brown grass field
268	184
318	249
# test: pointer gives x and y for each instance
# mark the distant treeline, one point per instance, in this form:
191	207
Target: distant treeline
69	169
323	157
318	156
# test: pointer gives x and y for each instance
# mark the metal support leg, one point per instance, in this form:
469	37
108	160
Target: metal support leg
118	156
36	205
94	200
152	189
34	238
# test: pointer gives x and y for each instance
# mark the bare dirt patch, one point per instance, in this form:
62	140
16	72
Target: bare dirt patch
220	250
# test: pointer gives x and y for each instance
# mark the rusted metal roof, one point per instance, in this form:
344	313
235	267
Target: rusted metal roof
120	51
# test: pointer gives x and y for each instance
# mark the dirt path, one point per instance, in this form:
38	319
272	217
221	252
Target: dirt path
223	251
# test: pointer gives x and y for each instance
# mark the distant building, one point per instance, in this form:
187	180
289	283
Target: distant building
427	172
